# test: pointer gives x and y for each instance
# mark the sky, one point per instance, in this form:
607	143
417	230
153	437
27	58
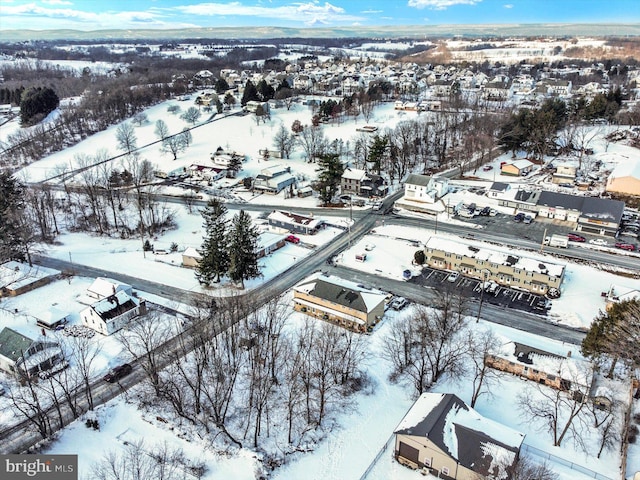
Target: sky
89	15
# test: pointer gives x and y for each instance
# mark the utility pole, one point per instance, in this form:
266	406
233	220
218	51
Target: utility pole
484	280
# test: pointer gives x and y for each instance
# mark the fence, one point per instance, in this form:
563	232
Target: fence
566	463
384	448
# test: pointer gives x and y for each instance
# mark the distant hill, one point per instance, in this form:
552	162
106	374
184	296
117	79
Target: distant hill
416	31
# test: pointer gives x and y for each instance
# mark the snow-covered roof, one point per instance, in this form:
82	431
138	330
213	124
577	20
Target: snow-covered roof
114	305
354	174
416	179
294	218
480	252
478	443
626	169
341	291
556	363
103	287
14	275
191	252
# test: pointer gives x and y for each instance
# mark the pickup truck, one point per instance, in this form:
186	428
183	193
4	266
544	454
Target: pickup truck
557	241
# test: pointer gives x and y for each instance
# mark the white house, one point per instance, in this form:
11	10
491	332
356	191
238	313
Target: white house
103	287
422	193
110	314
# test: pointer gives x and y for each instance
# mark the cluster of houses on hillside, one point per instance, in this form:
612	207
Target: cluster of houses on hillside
524	84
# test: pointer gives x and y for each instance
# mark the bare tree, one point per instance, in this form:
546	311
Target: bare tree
428	344
482	344
561	413
191	115
284	141
313	141
126	137
162	130
142	339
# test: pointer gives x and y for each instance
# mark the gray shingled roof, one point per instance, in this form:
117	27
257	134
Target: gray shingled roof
420	180
13	344
590	207
470	442
340	295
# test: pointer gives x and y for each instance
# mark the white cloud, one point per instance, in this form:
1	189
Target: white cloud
308	13
440	4
508	5
56	2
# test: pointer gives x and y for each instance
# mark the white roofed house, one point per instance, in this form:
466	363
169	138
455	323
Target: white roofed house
295	222
422	193
103	287
274	179
17	278
110	314
443	436
339	301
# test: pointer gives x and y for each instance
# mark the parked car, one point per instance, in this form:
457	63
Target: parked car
519	217
575	238
527	219
398	303
487	168
485	212
118	372
292	239
453	276
599	241
493	212
625	246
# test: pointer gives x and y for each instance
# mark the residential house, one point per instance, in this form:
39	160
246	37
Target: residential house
620	293
51	318
497	90
362	183
103	287
208	173
190	257
274	179
112	313
516	168
625	179
269	242
559	371
295	222
422	192
17	278
504	268
339	301
252	106
443	436
22	355
564	174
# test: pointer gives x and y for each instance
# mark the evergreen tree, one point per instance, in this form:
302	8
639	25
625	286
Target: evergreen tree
37	103
615	334
215	256
330	170
221	85
250	93
243	243
15	231
377	151
265	91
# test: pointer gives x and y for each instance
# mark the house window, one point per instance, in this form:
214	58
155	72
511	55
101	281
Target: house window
427	462
445	471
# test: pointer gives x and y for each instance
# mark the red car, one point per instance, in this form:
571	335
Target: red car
575	238
625	246
292	239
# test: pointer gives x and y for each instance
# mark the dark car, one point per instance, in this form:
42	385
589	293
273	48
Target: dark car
575	238
118	372
625	246
485	211
519	217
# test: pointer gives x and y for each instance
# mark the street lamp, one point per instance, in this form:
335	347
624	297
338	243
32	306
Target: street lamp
485	274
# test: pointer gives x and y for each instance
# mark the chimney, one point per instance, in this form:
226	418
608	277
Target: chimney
569	354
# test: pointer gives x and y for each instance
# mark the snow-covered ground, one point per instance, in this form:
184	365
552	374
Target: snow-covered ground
365	428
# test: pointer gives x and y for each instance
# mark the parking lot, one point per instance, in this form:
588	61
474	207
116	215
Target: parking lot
470	287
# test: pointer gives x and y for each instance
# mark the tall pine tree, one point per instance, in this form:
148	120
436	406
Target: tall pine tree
243	249
215	256
330	170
